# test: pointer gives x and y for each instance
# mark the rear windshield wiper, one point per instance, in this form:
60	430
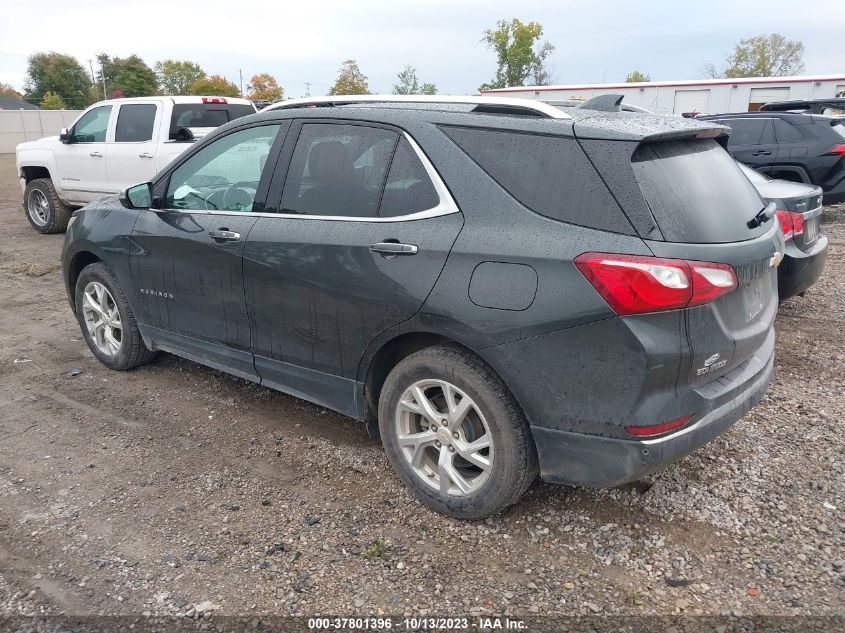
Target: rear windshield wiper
763	216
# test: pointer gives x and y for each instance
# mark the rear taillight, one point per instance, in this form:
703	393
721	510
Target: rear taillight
791	223
213	100
657	429
838	150
634	284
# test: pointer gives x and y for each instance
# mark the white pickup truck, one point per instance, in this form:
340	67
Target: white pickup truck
112	145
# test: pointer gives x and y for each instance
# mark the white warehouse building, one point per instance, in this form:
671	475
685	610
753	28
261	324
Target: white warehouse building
704	96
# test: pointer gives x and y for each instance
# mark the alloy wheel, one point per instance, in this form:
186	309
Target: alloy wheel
444	437
102	318
38	207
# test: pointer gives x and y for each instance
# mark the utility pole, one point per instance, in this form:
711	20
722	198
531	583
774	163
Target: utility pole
307	88
241	76
91	66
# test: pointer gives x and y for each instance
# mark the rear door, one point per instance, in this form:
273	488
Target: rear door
361	230
702	203
130	157
752	140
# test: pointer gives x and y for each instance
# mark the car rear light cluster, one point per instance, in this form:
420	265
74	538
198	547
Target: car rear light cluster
839	150
791	223
654	430
634	284
214	100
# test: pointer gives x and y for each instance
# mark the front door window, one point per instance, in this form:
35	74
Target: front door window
224	175
92	126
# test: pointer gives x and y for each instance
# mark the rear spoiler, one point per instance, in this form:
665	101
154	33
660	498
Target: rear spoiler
814	106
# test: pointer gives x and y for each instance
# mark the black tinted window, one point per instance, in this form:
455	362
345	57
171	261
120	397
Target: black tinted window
206	115
408	188
548	174
750	131
786	132
697	192
135	123
338	170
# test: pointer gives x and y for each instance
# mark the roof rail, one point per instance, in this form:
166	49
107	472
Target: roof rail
497	105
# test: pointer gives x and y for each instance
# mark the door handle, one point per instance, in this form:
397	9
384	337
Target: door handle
224	235
762	152
392	249
96	154
145	155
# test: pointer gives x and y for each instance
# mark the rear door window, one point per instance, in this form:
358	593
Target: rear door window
786	132
338	170
408	188
697	192
750	131
135	123
550	175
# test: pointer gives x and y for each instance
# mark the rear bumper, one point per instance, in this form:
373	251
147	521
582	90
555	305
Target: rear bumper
799	270
590	460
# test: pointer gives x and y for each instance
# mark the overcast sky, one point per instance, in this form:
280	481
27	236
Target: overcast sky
298	42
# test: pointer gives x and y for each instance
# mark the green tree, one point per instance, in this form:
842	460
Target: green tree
131	76
520	55
175	77
52	101
216	86
6	90
761	56
60	74
350	80
264	86
409	84
635	76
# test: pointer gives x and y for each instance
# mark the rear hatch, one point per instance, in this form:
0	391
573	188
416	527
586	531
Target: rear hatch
689	200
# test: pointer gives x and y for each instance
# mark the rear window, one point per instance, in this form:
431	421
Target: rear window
548	174
206	115
839	128
697	192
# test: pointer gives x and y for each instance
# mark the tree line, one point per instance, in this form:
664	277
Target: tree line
57	81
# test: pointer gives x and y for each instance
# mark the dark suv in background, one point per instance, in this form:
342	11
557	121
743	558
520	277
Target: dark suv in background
496	287
808	148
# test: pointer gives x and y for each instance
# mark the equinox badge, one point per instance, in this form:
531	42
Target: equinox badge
711	363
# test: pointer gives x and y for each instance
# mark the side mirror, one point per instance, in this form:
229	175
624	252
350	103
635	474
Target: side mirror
65	136
137	196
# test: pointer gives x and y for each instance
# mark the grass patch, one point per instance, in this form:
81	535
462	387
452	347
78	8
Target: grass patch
34	270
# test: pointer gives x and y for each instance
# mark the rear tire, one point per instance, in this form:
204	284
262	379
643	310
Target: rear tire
43	207
454	433
107	321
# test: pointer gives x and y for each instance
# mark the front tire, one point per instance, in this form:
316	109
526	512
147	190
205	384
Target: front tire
107	321
455	434
43	207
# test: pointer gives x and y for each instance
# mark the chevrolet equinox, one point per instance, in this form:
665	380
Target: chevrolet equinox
496	287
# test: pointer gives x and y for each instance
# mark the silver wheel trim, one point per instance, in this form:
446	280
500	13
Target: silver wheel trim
38	207
444	437
102	318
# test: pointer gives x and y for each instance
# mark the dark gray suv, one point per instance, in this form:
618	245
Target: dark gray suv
496	287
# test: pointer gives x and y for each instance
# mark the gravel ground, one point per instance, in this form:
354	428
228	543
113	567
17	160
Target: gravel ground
178	490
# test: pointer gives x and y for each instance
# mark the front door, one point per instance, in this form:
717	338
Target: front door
187	258
130	158
362	233
82	162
